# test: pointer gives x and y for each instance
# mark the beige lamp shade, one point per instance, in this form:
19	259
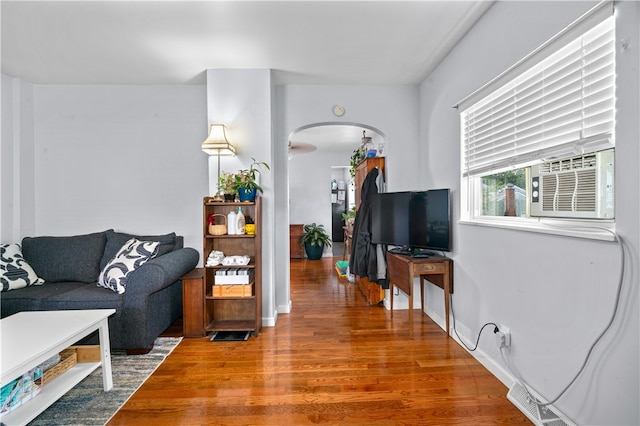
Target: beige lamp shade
217	143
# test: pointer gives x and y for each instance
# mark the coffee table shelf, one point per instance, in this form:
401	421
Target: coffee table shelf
29	338
50	393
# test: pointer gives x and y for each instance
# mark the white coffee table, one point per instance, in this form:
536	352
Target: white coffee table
27	339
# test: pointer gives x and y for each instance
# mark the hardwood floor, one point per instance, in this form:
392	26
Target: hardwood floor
332	360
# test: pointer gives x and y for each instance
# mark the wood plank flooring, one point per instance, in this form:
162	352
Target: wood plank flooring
332	360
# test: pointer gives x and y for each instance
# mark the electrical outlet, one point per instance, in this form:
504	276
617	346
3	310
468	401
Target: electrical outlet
503	337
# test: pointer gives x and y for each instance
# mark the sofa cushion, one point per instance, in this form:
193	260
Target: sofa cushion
31	298
83	297
132	255
15	271
115	241
59	259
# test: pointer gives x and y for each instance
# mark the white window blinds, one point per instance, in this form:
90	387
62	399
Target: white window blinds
560	102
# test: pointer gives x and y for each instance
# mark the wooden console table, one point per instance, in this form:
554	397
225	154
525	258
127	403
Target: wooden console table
438	270
193	304
296	250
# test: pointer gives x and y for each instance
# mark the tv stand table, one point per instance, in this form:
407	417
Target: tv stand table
438	270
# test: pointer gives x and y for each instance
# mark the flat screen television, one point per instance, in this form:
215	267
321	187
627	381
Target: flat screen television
416	220
390	218
430	220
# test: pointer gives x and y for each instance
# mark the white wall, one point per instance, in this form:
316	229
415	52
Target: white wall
310	177
17	209
310	186
556	294
391	109
122	157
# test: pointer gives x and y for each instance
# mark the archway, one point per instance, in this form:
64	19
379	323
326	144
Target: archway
318	154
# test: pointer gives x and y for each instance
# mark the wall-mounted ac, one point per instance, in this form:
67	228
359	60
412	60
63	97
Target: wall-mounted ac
576	187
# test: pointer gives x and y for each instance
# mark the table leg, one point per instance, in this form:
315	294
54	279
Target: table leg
105	355
447	299
422	294
411	311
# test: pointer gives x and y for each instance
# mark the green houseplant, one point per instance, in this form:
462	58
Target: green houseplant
227	185
245	180
315	239
356	158
349	217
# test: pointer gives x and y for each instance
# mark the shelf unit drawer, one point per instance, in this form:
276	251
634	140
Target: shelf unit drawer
232	290
430	268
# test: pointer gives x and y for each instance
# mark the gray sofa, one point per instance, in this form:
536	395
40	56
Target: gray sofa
71	266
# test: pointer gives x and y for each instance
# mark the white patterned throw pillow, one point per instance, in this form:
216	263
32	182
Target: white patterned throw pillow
133	254
15	272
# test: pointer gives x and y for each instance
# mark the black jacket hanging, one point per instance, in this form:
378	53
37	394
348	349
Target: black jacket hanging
364	260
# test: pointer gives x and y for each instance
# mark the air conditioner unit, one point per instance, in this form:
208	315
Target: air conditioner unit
577	187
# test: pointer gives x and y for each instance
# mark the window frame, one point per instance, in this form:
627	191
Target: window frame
471	192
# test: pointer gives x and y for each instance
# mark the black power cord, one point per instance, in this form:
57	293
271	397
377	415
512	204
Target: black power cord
606	329
453	315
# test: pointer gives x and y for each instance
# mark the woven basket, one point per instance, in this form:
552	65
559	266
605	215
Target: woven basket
218	229
68	358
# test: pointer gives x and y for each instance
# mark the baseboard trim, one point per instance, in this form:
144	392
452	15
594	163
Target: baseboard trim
489	363
285	309
270	321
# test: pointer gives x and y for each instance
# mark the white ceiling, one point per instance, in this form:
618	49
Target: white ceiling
174	42
332	136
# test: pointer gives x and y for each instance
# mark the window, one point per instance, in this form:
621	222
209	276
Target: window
557	103
504	194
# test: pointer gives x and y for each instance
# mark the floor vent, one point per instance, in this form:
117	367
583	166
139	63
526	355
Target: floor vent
542	416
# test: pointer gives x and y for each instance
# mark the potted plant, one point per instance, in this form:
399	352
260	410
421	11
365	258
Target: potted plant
356	158
349	217
315	239
245	180
227	185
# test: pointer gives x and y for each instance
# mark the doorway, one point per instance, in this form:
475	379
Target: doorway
341	201
319	153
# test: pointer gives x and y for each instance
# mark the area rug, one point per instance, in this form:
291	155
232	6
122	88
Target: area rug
87	403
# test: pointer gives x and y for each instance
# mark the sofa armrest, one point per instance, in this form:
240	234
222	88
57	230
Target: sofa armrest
162	271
